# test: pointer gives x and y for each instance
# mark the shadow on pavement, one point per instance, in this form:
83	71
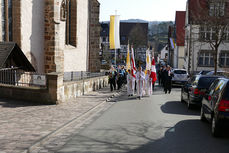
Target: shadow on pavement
18	103
176	107
188	136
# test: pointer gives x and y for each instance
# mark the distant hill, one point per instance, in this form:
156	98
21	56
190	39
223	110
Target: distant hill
130	21
139	20
155	22
158	34
135	21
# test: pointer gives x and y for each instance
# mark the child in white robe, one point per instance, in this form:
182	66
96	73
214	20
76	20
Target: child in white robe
140	78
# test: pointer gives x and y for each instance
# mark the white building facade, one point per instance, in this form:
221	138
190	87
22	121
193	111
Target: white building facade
199	54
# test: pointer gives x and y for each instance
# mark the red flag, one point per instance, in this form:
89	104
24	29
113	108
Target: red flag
153	72
133	67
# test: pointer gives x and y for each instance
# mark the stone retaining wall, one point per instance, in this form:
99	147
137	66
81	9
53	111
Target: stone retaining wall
78	88
56	92
25	94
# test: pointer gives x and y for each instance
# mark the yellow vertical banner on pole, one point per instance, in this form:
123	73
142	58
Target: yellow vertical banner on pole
112	32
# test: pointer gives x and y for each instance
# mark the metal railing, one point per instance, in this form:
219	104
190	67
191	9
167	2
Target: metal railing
17	77
81	75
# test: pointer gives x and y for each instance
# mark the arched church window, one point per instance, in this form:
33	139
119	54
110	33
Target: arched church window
63	11
71	22
6	11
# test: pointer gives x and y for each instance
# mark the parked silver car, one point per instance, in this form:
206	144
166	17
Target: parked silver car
180	76
217	73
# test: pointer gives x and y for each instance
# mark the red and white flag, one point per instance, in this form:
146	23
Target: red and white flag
133	67
153	72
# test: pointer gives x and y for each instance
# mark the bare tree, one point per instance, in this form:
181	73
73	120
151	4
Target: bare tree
138	38
212	17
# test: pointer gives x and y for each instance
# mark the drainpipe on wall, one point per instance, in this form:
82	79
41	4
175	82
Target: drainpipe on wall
189	49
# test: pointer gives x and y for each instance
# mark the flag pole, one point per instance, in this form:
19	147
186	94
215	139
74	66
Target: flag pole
115	48
115	57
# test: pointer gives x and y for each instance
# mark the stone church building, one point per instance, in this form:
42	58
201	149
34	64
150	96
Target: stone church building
55	35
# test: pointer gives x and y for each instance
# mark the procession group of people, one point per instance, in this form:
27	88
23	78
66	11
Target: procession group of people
141	81
165	78
117	77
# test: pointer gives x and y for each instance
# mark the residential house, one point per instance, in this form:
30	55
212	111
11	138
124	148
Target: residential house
55	35
201	21
164	53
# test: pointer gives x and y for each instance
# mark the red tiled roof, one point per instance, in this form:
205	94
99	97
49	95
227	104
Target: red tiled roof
180	32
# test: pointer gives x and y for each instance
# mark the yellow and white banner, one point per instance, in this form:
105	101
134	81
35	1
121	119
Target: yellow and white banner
128	67
114	32
148	60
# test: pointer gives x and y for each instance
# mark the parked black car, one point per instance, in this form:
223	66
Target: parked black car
215	105
192	92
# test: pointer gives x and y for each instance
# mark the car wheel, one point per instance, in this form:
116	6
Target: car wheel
189	104
215	128
202	117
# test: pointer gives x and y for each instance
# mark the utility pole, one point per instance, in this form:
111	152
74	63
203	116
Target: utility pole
169	44
189	48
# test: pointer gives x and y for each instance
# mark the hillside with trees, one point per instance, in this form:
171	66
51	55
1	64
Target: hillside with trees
158	33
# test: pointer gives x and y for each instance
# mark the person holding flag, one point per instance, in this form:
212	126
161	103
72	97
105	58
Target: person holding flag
148	83
153	73
140	78
148	79
130	84
130	79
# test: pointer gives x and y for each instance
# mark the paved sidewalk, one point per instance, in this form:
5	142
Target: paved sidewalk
24	125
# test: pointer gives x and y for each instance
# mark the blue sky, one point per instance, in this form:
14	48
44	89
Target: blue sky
151	10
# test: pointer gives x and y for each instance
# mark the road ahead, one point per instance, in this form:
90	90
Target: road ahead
156	124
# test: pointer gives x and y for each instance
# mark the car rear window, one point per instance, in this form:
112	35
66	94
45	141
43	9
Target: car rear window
205	82
226	92
179	71
204	72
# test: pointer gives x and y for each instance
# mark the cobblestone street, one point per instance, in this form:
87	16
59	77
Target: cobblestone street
25	126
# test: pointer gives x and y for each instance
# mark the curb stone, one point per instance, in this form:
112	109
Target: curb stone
44	139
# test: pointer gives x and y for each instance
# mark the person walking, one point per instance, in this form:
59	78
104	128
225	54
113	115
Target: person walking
163	76
130	84
112	78
160	76
148	83
140	77
120	78
123	75
168	80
